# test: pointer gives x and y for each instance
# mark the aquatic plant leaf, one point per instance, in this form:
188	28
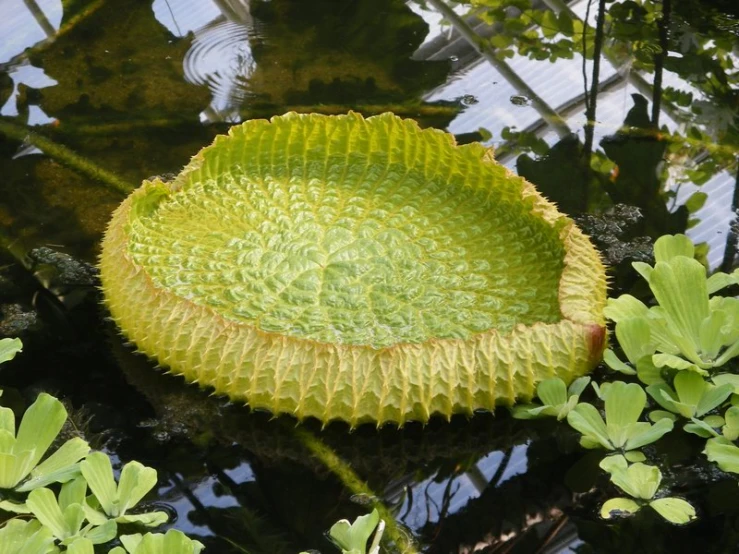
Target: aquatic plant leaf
7	429
14	507
60	467
638	480
9	348
642	433
700	428
711	339
625	307
171	542
616	507
634	337
624	404
26	537
612	361
43	504
730	429
102	533
577	386
136	480
648	373
643	269
674	510
724	453
352	537
720	280
98	472
668	247
148	519
680	288
586	419
676	362
552	392
656	415
635	456
81	545
39	427
359	209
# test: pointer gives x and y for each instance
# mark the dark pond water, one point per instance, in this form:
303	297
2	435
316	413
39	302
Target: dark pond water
97	95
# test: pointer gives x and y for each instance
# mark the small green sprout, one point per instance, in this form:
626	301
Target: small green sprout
556	399
352	537
65	516
113	501
621	430
641	482
21	452
171	542
688	330
26	537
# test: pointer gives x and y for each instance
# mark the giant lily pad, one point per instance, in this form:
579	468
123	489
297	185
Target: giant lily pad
355	269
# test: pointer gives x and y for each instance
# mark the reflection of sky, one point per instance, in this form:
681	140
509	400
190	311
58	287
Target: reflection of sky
560	85
220	56
424	499
19	28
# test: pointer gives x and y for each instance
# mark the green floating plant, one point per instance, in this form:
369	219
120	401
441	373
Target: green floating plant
113	501
9	348
621	431
21	452
352	537
692	398
641	482
26	537
358	269
65	516
171	542
556	399
688	329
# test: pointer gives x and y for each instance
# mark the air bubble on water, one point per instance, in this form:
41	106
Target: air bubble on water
520	100
469	100
453	58
363	499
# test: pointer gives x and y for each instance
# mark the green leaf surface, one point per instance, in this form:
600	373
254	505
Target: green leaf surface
552	392
625	307
616	507
612	361
680	288
136	480
39	427
642	434
43	504
21	537
148	519
60	467
730	429
586	419
668	247
638	480
9	348
354	536
674	510
723	453
98	472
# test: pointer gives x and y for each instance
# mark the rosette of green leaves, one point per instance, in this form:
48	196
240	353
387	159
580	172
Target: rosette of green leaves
171	542
621	430
21	452
691	398
352	537
641	482
687	330
556	399
65	516
26	537
113	501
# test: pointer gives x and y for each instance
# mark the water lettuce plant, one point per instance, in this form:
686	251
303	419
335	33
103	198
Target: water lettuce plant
621	431
641	482
556	399
357	269
688	329
352	537
71	518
